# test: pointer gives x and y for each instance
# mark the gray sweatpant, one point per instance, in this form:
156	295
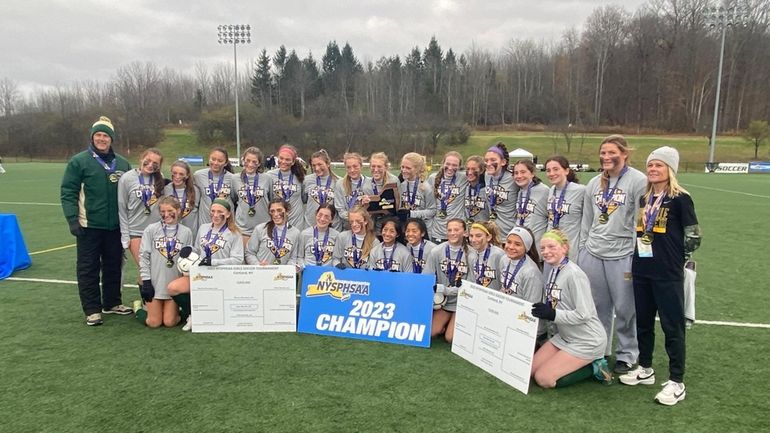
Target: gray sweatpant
612	288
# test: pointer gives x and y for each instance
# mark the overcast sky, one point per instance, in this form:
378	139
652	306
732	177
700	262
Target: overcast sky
54	42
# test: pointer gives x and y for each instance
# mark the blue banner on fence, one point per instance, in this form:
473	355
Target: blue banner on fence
192	159
391	307
759	167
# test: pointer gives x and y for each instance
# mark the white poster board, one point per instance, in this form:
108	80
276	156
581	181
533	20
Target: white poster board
246	298
496	333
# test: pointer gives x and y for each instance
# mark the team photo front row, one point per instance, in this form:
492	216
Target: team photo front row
590	259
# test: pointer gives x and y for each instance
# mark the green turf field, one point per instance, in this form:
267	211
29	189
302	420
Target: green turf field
62	376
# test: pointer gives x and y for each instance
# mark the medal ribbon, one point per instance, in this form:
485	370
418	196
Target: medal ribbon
356	252
451	270
251	190
481	266
318	253
170	242
651	210
552	280
521	204
209	241
491	196
182	201
214	191
412	199
556	205
387	262
609	192
279	241
322	192
509	277
446	191
473	194
109	168
354	193
146	194
418	261
286	192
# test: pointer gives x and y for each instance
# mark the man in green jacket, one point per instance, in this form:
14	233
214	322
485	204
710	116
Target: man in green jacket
89	199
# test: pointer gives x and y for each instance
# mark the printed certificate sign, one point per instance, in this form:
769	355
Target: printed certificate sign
391	307
495	332
246	298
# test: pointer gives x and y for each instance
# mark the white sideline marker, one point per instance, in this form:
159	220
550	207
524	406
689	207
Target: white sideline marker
726	190
30	203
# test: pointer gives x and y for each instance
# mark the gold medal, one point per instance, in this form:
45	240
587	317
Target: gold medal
147	210
604	218
169	263
442	213
276	262
113	177
252	212
647	238
492	216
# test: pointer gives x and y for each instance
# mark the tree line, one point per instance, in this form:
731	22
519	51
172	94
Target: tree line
653	70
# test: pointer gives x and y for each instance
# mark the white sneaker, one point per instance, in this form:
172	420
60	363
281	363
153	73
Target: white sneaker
645	376
671	394
188	324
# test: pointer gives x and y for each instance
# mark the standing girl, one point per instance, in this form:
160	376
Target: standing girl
319	239
187	194
216	181
579	338
349	191
138	194
484	254
355	245
667	232
254	192
607	245
417	200
565	200
476	208
449	187
379	165
161	242
391	255
449	262
275	242
500	188
416	235
532	199
287	184
218	243
319	187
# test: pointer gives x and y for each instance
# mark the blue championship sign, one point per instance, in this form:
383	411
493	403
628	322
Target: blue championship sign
391	307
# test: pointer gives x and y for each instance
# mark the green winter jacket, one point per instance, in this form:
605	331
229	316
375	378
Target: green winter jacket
89	194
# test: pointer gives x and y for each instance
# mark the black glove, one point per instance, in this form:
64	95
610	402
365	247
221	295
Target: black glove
147	291
458	282
543	311
185	252
76	229
341	265
206	261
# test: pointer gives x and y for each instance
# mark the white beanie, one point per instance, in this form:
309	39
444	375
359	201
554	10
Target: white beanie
667	154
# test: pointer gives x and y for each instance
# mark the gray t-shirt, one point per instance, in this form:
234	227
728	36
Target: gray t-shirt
313	246
450	202
531	211
352	255
319	190
254	192
568	210
501	192
225	246
132	195
486	273
395	258
188	206
275	248
219	186
443	261
288	187
158	250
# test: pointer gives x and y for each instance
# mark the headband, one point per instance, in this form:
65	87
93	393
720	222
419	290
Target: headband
522	233
481	227
498	151
552	235
285	147
222	202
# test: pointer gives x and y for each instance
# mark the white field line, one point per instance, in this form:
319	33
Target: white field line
726	190
53	249
30	203
697	322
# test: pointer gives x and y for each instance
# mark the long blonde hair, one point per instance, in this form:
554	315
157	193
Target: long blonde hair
346	182
673	189
366	248
419	163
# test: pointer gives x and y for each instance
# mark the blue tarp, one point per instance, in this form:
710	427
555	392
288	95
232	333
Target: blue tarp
13	254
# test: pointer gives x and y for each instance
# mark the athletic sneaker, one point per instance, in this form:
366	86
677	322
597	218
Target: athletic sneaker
188	325
645	376
671	394
622	367
118	309
94	319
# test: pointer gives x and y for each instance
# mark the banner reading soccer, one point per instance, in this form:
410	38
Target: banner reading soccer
390	307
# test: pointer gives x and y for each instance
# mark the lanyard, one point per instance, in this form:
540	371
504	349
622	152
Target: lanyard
387	262
522	202
451	270
446	191
251	190
412	199
356	251
609	192
109	168
552	281
279	241
318	252
286	193
170	242
509	277
491	195
146	194
323	192
182	201
651	210
354	194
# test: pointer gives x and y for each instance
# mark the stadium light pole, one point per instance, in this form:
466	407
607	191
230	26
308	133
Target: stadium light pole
235	34
720	18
